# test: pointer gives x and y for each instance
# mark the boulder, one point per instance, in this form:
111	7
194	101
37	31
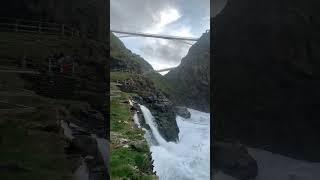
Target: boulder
233	159
183	112
139	146
85	144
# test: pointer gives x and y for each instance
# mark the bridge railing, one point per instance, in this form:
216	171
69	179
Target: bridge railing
39	27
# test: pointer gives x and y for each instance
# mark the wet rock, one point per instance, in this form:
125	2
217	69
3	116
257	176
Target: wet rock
90	160
183	112
133	108
86	144
266	68
233	159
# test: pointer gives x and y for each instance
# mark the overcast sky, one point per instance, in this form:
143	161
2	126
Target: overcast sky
187	18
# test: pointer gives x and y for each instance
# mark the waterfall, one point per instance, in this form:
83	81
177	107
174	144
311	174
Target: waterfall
103	148
187	159
150	121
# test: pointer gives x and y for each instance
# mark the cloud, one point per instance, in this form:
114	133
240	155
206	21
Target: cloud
168	17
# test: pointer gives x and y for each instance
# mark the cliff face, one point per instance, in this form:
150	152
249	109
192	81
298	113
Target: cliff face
90	17
122	59
266	75
128	70
191	79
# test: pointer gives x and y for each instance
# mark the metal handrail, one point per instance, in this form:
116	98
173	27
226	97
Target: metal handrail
31	26
156	35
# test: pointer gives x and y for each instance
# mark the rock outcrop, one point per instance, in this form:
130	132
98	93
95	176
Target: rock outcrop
122	59
266	75
160	106
130	69
233	159
183	112
191	79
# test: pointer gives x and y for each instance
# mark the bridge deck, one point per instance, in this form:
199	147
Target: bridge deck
156	36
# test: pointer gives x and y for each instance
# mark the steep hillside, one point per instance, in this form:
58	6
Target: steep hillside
122	59
49	117
190	81
130	80
266	75
130	70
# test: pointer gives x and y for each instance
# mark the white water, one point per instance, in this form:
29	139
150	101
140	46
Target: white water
188	159
136	120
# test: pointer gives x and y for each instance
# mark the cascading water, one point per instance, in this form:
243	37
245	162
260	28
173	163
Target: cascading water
188	159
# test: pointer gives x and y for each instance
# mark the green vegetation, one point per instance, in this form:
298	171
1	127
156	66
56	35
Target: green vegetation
122	58
32	148
130	155
161	83
120	76
127	163
37	47
32	144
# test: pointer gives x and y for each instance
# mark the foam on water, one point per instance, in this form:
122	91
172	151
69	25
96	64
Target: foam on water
190	157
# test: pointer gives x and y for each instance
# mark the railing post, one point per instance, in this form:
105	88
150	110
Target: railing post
16	26
39	28
49	64
73	67
24	63
62	28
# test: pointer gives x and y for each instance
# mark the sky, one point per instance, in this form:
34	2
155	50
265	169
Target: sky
186	18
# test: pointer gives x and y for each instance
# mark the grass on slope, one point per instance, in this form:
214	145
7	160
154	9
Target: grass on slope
121	76
160	83
32	148
32	144
36	47
127	162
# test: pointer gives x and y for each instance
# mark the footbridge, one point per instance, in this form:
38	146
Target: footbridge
166	69
185	40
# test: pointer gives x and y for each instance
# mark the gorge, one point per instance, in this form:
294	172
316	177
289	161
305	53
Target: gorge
153	100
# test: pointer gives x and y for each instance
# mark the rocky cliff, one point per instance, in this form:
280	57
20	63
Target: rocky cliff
191	79
122	59
128	70
266	75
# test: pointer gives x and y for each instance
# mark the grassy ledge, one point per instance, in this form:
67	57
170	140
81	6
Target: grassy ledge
130	154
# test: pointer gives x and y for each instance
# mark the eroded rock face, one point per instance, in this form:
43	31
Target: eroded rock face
266	75
183	112
86	144
233	159
162	110
123	62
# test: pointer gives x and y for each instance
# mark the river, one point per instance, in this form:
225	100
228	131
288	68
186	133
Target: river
189	158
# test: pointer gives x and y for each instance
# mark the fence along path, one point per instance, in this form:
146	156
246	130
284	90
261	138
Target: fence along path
40	27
